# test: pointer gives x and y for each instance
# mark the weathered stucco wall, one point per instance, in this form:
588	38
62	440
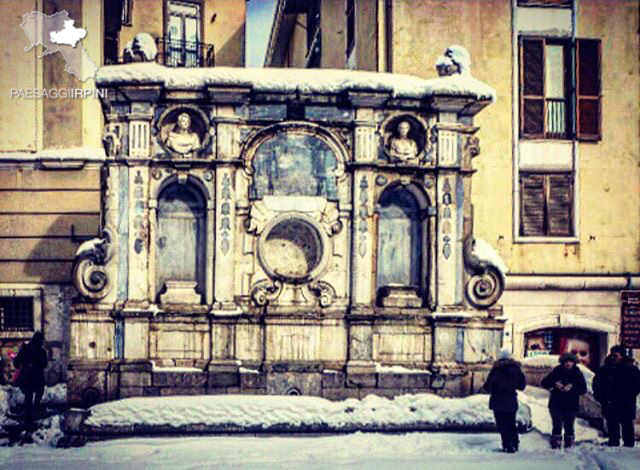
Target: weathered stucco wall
607	171
37	211
610	169
608	175
18	69
62	116
227	31
147	17
48	122
92	121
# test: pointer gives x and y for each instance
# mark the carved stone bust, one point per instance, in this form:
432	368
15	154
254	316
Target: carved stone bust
401	146
181	139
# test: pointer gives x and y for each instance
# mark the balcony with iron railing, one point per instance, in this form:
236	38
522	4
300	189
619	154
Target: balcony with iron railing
177	53
174	53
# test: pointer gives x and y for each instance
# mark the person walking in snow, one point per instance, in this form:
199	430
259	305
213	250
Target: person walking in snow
616	386
504	379
566	383
31	361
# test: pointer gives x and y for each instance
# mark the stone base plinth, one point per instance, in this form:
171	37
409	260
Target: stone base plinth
400	296
180	292
135	379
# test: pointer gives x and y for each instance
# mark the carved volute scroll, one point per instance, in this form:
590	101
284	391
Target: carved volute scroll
487	281
90	276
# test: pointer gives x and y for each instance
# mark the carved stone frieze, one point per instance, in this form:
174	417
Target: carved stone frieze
326	214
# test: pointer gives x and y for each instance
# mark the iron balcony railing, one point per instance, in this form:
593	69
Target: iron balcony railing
556	118
174	53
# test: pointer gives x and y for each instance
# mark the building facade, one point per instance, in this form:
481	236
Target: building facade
557	189
51	150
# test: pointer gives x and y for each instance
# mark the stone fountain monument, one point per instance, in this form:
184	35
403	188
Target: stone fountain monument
285	232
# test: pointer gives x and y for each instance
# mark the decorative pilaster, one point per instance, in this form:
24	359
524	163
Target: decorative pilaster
448	247
139	234
224	236
362	268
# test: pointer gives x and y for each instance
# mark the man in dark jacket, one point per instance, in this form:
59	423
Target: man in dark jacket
504	379
32	361
616	386
566	383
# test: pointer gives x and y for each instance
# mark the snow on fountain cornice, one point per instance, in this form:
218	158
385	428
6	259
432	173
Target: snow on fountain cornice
288	80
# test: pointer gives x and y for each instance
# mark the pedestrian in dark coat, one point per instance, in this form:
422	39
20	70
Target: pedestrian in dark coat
566	383
31	360
504	379
616	386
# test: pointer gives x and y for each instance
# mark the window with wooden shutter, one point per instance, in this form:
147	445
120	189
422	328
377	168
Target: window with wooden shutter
532	208
532	87
559	205
547	79
546	204
588	88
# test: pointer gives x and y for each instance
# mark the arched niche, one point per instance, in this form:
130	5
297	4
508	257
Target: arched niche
402	247
183	130
406	147
294	160
180	240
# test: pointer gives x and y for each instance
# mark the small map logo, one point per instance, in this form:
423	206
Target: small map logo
57	33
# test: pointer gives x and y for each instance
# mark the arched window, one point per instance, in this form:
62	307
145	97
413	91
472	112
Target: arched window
401	257
180	240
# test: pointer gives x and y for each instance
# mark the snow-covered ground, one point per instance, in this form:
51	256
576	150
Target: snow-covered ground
360	450
433	450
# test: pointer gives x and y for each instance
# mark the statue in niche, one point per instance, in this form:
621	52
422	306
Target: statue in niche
181	139
402	146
